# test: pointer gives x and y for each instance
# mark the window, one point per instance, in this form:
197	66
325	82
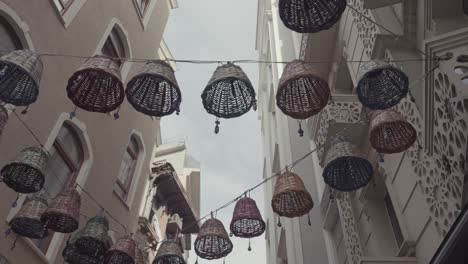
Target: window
66	158
62	5
394	220
8	39
114	46
142	6
127	169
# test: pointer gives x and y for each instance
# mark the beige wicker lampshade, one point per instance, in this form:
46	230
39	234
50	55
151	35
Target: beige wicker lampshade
213	241
20	77
346	170
390	132
291	199
26	174
122	252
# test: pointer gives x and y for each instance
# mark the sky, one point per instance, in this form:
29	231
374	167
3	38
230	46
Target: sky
231	161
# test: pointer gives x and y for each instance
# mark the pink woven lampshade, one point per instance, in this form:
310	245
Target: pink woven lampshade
97	85
390	132
122	252
63	214
247	221
213	241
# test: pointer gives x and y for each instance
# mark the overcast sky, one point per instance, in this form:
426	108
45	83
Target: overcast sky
231	161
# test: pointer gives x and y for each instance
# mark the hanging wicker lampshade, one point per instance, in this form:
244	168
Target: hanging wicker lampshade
27	222
20	77
26	174
93	238
97	85
346	169
73	256
154	91
247	221
301	92
390	132
139	258
63	214
229	93
291	199
169	253
310	16
381	86
213	241
122	252
3	118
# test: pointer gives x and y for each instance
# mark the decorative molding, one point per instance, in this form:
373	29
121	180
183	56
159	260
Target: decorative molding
350	231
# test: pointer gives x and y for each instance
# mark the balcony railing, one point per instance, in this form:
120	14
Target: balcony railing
372	260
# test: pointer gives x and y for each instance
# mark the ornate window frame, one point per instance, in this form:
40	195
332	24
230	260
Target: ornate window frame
145	16
69	12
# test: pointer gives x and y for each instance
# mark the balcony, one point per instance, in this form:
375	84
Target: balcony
372	260
344	116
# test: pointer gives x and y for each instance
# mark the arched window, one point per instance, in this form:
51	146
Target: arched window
128	168
9	40
66	158
114	45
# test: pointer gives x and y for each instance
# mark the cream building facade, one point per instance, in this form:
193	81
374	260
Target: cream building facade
91	148
414	197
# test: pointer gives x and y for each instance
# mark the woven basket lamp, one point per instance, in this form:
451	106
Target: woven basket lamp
122	252
390	132
291	199
247	221
229	93
346	169
27	222
93	238
3	118
169	253
63	214
26	174
301	92
213	241
310	16
381	86
97	85
139	258
154	91
20	77
73	256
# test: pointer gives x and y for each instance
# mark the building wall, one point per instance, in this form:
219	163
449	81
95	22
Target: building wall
357	227
46	32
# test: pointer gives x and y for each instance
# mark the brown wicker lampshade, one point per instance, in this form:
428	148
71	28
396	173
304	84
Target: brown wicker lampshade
3	118
213	241
310	16
229	93
346	169
301	92
73	256
154	91
20	77
169	253
63	214
97	85
390	132
93	238
381	86
26	174
122	252
27	222
247	221
291	199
